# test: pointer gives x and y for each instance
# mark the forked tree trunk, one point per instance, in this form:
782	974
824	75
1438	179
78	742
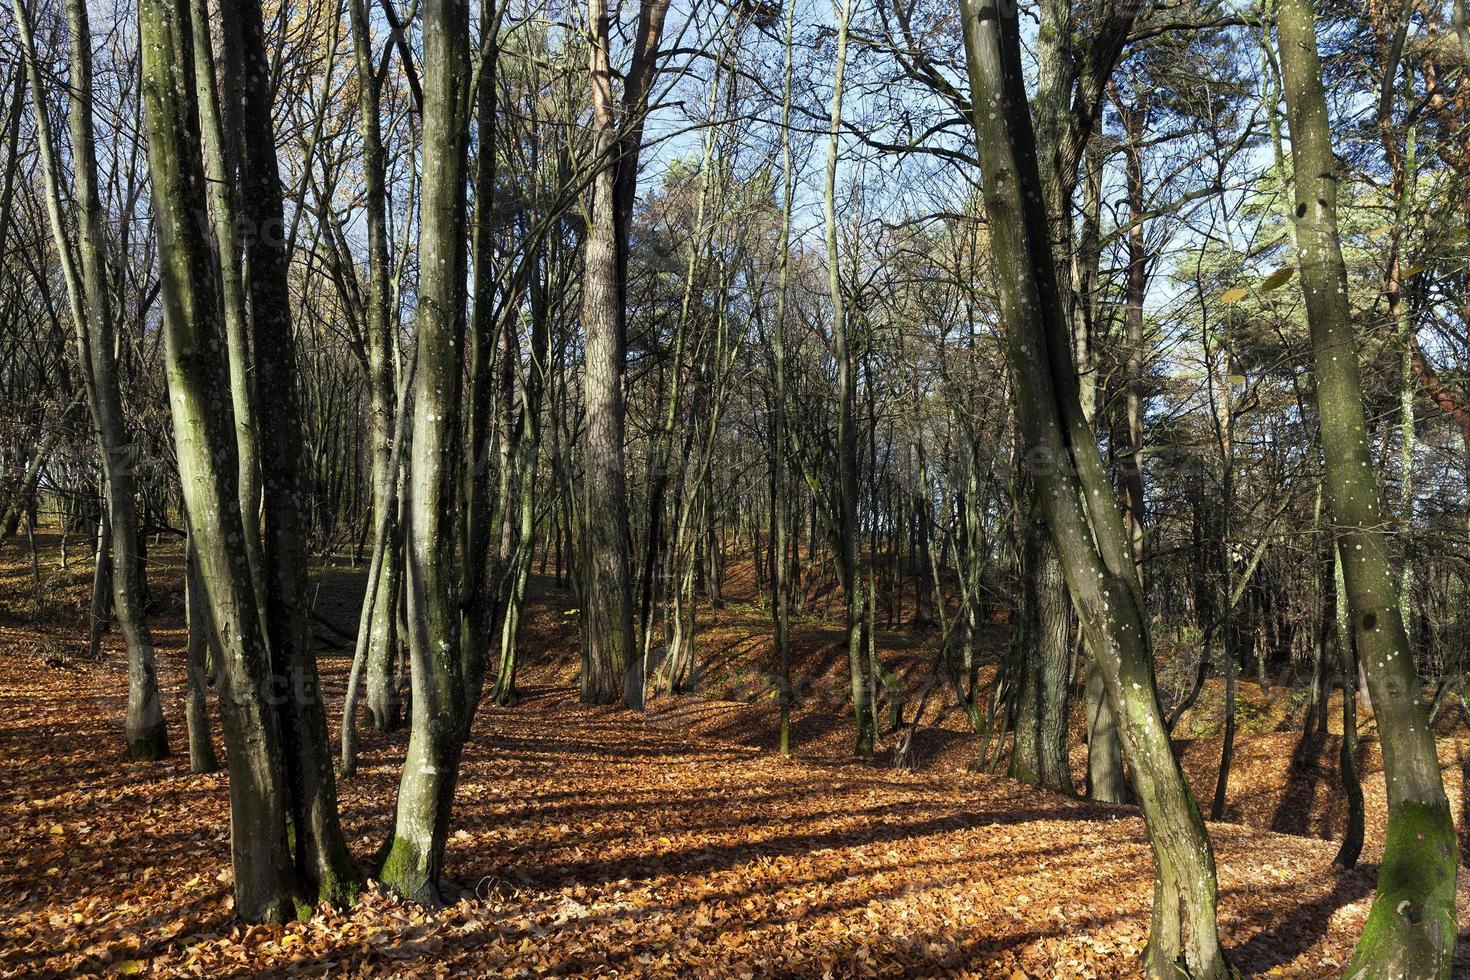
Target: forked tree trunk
321	854
194	352
1411	928
1076	495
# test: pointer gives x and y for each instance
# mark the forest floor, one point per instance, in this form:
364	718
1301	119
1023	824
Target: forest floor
592	841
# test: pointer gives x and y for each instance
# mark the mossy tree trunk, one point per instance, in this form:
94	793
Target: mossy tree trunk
413	856
1076	496
195	357
1411	928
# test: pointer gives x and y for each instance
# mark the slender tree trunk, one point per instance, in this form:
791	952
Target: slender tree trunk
1132	496
414	856
782	557
1074	490
532	388
219	85
201	746
101	617
1411	928
379	621
847	434
85	271
1347	755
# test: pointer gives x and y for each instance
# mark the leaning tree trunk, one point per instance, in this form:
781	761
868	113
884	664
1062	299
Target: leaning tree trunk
1076	495
413	857
1411	928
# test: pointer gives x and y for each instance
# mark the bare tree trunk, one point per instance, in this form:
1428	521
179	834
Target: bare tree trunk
1076	496
85	272
1039	755
1411	927
781	482
194	347
607	614
413	857
612	663
321	853
379	620
847	435
196	712
101	617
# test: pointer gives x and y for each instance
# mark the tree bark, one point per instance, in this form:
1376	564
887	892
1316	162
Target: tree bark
194	350
1075	494
413	857
1411	927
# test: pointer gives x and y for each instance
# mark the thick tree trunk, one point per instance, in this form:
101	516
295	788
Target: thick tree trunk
1106	780
1039	755
321	852
1411	928
607	614
194	350
612	662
